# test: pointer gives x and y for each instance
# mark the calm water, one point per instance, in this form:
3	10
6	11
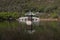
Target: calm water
16	24
14	30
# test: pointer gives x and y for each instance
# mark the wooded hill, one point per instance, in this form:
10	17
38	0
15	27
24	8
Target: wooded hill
25	5
51	7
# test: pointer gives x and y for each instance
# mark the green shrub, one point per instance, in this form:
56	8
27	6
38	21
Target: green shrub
5	15
54	15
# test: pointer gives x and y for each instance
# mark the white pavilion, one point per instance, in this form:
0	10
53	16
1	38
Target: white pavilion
29	16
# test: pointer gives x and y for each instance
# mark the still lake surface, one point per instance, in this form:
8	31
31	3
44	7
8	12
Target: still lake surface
13	30
15	25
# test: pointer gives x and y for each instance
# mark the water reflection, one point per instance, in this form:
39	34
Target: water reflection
14	30
15	25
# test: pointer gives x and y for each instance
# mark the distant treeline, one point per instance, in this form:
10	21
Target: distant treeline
26	5
8	8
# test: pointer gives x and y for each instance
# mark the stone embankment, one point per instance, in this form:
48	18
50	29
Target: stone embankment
49	19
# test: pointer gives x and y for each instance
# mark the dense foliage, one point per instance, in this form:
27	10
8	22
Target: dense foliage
25	5
7	15
22	6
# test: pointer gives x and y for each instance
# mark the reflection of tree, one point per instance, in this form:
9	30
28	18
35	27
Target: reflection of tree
10	25
10	22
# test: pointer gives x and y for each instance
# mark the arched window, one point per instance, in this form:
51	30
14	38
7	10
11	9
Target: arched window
25	19
22	19
36	19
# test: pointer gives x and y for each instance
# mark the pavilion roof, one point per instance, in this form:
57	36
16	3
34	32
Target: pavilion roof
30	13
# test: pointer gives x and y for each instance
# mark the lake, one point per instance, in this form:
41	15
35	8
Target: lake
13	30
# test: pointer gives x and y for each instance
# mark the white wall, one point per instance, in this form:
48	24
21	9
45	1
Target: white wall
24	19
